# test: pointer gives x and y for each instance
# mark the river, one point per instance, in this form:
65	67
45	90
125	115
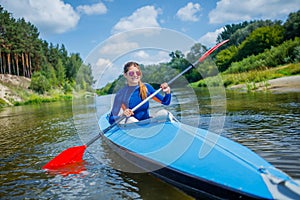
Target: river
32	135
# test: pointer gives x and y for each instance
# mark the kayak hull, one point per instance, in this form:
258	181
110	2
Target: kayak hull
200	163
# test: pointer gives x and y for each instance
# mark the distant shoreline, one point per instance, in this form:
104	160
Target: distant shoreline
279	85
14	90
286	84
9	84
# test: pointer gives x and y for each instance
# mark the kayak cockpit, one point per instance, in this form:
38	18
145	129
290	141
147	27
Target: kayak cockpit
213	164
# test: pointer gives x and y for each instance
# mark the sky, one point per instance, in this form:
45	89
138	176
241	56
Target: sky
84	25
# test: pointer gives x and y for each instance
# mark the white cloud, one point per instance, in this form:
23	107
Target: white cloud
236	10
98	9
141	55
209	39
148	57
52	16
141	18
189	12
103	63
118	48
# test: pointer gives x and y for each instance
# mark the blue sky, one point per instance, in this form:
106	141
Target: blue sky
83	25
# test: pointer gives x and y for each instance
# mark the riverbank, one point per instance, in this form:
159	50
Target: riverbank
279	79
11	88
14	90
278	85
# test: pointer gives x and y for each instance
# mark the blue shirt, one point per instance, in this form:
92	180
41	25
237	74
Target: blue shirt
130	97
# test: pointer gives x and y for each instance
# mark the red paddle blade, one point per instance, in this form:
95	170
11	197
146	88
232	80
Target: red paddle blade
68	156
211	50
74	168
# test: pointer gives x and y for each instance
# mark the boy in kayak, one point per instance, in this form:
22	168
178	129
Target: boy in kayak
135	92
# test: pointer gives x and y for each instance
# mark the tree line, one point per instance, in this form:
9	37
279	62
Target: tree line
49	66
249	39
257	44
253	45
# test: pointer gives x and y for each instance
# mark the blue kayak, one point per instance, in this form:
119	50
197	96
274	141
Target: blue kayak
197	161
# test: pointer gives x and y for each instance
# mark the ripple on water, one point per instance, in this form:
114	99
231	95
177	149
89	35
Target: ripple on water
32	135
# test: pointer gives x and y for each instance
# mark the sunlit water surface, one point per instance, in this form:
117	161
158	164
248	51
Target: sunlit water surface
32	135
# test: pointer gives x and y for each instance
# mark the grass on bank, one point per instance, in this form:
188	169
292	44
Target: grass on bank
250	78
38	99
2	103
29	97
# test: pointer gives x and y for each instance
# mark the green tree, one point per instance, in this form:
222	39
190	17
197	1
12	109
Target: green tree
39	83
84	78
196	52
292	26
177	60
229	30
60	72
49	72
20	45
22	53
225	57
287	52
72	66
180	63
193	55
242	33
259	40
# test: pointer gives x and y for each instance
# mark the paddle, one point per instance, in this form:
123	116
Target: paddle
75	154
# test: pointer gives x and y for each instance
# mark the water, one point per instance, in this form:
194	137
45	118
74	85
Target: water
32	135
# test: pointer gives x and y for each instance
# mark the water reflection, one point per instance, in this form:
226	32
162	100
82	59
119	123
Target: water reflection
32	135
65	170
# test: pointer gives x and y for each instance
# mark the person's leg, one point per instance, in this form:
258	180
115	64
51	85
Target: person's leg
131	120
163	114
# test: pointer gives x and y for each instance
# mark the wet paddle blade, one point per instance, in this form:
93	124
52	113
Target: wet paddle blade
68	156
73	168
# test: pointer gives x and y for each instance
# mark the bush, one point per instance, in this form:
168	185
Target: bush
39	83
2	103
287	52
68	88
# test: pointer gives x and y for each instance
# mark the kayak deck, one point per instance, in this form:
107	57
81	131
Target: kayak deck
195	160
